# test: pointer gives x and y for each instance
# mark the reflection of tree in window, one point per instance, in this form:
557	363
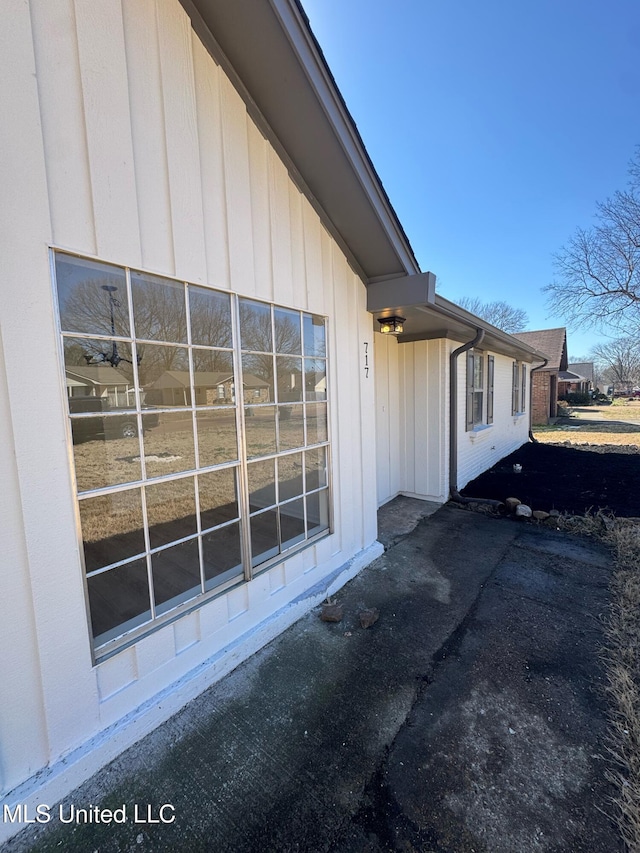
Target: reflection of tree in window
86	297
287	328
255	326
210	317
159	312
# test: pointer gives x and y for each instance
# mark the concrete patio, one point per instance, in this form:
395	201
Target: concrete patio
470	717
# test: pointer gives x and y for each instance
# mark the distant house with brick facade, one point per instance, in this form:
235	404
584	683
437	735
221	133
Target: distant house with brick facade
544	387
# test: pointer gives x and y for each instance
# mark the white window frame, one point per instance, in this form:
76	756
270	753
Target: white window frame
321	493
519	388
479	389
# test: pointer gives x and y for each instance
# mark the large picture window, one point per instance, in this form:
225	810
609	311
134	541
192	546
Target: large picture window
200	438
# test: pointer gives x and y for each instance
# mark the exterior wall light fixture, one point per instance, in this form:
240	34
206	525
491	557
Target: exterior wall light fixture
391	325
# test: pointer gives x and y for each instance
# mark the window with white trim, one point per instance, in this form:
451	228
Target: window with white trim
519	388
480	389
199	428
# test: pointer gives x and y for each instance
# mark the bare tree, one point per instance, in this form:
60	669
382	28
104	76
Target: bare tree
499	314
618	362
598	270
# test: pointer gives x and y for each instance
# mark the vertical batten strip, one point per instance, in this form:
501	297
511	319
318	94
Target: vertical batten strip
238	189
260	213
298	271
216	242
63	129
280	230
183	154
105	92
312	257
148	135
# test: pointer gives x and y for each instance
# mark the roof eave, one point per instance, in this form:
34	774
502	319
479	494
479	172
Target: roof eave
264	46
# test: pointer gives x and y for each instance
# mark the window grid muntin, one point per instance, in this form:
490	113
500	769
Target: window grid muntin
238	465
276	403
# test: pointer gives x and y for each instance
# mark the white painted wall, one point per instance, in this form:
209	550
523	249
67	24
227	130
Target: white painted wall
479	449
411	418
129	144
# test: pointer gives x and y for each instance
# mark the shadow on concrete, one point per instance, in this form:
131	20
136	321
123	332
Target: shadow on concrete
470	717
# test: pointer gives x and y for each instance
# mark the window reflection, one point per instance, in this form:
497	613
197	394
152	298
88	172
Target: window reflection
315	379
314	335
92	297
264	536
153	396
289	378
221	555
217	436
316	468
168	442
171	511
290	427
292	523
102	455
112	528
289	476
260	430
262	484
316	423
255	326
257	379
317	512
218	498
159	312
164	376
93	384
210	317
119	600
176	575
213	378
287	329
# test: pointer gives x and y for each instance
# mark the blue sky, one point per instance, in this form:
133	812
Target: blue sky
495	126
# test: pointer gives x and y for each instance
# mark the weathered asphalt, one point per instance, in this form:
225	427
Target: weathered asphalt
470	717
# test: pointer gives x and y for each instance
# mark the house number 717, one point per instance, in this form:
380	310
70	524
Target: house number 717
366	360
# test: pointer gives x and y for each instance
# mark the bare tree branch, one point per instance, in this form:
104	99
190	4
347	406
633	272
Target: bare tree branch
499	314
598	270
618	361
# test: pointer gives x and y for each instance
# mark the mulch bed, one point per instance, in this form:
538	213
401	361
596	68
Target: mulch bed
575	479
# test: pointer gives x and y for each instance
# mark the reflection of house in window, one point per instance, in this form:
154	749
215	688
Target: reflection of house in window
99	380
173	388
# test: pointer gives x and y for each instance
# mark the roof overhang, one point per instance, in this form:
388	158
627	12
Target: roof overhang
428	316
269	53
271	56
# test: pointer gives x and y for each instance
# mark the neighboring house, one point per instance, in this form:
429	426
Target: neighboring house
545	391
173	388
586	370
577	379
184	187
98	380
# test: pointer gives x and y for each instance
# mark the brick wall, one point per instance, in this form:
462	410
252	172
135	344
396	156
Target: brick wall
541	390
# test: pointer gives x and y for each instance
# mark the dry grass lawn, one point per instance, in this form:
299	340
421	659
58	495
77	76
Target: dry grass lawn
597	425
622	662
622	654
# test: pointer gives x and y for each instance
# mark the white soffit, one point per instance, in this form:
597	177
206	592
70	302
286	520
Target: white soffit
273	59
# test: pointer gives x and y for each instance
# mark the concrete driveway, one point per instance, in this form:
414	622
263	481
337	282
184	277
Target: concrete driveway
469	717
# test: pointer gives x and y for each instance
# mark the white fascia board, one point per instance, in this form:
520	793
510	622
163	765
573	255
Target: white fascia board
315	68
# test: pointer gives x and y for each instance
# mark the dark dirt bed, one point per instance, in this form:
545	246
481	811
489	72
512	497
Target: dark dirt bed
573	479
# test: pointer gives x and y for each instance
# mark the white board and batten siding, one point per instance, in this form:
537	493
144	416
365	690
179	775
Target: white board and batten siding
411	418
130	145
